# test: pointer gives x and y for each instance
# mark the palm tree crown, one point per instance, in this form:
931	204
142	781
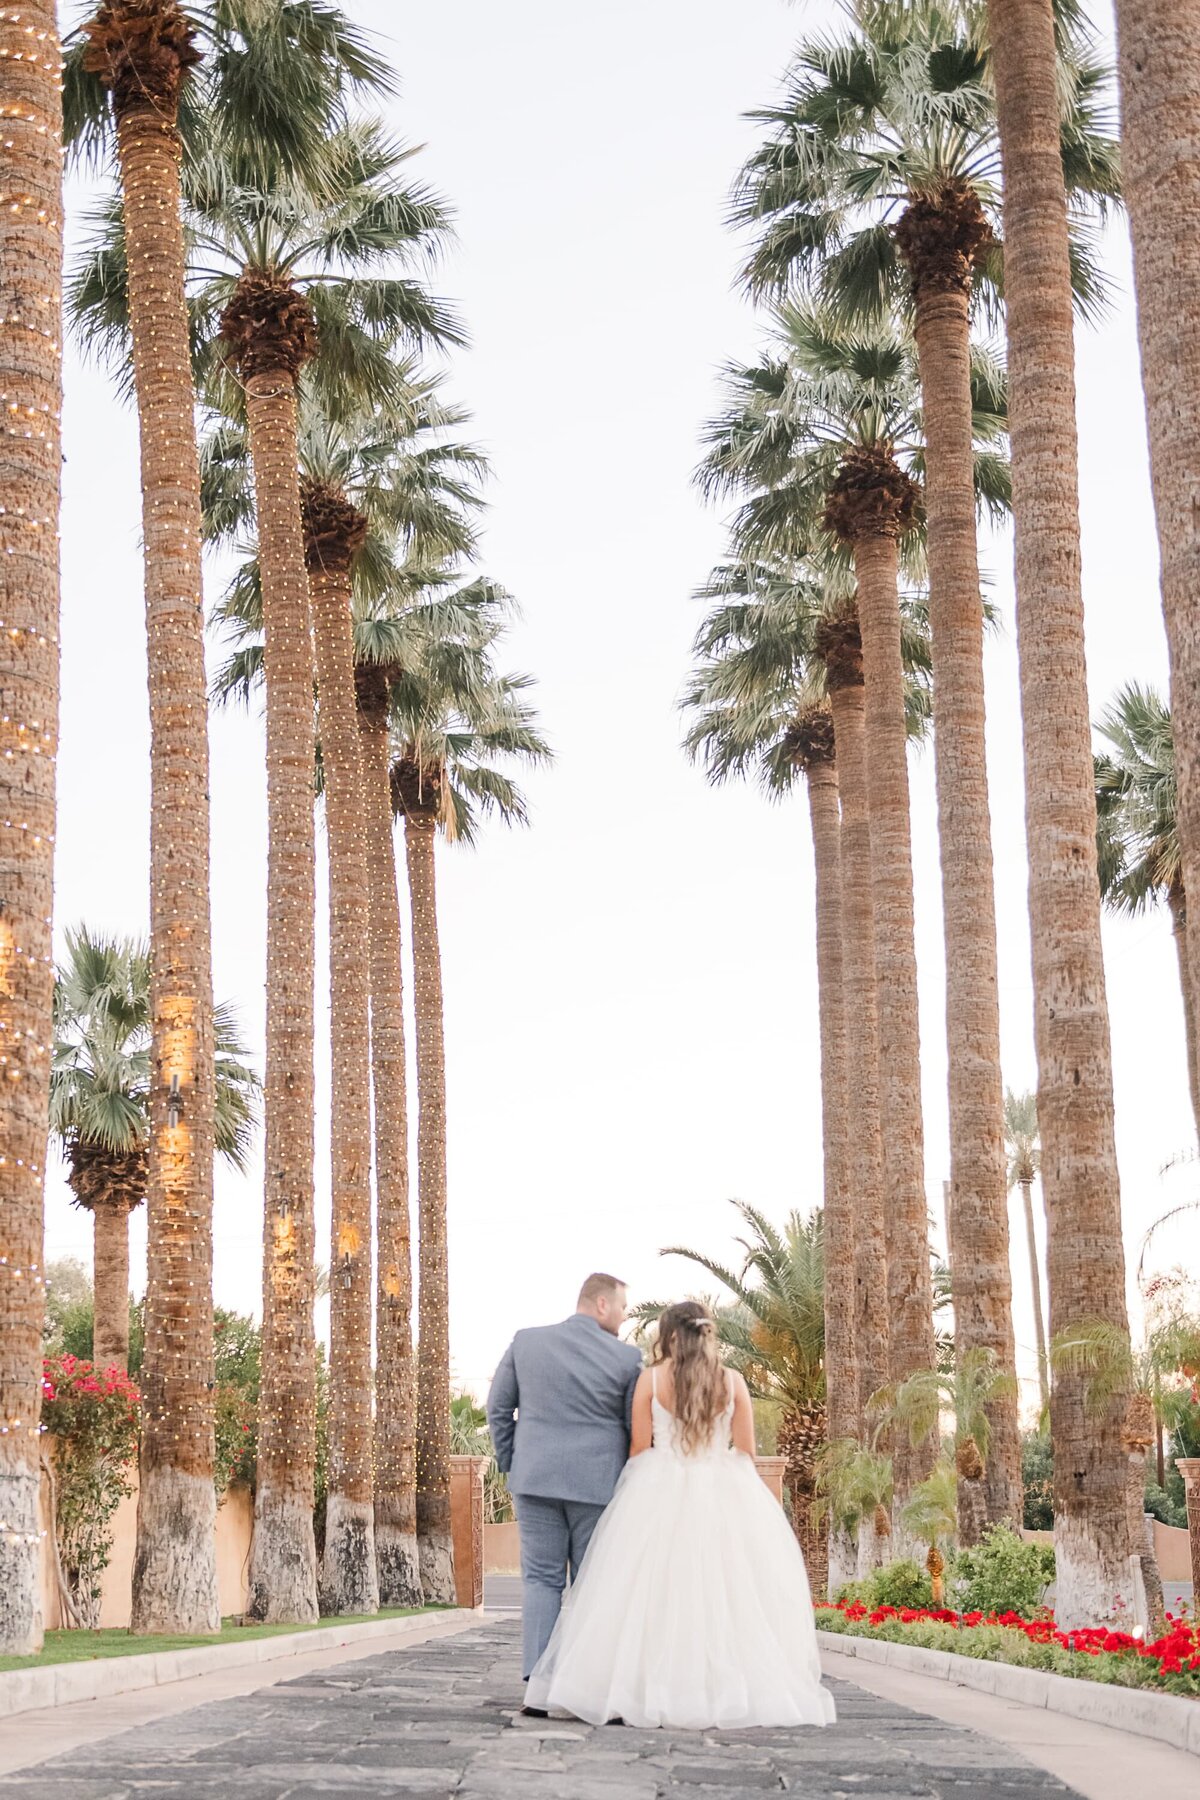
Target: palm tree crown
828	429
100	1085
882	163
1136	801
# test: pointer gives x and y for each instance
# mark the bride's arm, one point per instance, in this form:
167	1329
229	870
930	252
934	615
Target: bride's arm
742	1430
642	1433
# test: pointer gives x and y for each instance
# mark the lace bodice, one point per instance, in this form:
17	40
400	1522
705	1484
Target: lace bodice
666	1433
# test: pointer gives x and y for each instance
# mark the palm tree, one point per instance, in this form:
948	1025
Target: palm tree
273	80
30	468
272	267
1086	1256
100	1104
385	647
760	671
854	1487
1025	1161
969	1391
825	433
379	489
878	186
932	1516
773	1334
444	776
784	731
1159	57
1137	805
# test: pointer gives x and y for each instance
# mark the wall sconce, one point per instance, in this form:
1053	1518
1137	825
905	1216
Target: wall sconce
174	1103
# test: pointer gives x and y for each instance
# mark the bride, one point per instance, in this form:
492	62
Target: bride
692	1607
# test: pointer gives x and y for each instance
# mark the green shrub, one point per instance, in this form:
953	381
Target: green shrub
903	1583
1003	1574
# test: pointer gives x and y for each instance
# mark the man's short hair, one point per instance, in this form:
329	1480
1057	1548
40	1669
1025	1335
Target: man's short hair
595	1285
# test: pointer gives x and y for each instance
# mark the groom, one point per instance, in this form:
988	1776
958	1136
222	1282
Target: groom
559	1413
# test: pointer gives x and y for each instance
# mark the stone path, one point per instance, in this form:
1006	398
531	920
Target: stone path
438	1722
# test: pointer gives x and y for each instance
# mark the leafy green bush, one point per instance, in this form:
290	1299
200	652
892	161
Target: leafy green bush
902	1583
1003	1574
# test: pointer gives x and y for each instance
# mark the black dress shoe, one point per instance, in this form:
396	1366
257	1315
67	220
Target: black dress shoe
617	1721
533	1712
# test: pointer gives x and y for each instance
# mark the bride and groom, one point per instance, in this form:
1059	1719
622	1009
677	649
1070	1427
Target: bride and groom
689	1603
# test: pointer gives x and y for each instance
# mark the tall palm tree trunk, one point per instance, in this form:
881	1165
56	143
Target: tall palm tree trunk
1035	1284
1159	49
349	1582
110	1285
980	1271
840	647
433	1351
395	1371
1075	1108
175	1569
30	464
841	1363
283	1561
909	1289
1177	902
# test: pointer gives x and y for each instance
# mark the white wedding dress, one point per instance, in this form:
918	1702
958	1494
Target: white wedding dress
692	1607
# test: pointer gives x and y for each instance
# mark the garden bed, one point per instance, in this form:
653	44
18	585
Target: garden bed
1170	1665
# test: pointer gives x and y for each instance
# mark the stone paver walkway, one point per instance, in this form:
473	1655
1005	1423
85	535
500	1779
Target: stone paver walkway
438	1722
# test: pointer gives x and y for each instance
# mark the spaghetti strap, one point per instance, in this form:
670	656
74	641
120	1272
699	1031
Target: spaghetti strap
653	1382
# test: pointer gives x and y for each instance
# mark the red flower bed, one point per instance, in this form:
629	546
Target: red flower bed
1177	1652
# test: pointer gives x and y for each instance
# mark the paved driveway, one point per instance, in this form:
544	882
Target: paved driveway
438	1722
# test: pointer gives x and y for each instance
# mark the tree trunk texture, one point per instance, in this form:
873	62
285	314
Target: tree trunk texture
1178	906
972	1510
860	1002
31	255
283	1557
980	1274
1086	1262
1159	64
909	1289
175	1569
841	1366
349	1581
433	1351
110	1286
1035	1284
395	1372
811	1535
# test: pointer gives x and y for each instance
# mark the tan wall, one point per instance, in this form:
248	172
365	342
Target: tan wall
502	1549
235	1520
1171	1549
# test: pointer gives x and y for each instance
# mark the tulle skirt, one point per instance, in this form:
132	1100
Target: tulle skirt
692	1608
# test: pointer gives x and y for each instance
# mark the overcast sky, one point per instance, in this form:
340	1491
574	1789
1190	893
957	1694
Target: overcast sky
630	984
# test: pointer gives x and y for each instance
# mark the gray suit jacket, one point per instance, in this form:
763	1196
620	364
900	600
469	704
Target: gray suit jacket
560	1410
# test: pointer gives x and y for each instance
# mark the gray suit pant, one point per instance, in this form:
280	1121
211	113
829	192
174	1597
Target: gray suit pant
555	1535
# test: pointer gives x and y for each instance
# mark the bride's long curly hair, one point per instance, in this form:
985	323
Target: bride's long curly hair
687	1338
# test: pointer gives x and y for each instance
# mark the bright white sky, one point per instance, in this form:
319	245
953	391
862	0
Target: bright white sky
630	985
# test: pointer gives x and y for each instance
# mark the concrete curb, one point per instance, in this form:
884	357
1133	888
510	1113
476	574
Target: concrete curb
1167	1717
59	1684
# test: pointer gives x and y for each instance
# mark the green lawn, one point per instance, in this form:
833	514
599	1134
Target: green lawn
88	1646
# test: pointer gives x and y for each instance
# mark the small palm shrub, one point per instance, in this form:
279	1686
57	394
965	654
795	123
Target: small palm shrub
1003	1574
